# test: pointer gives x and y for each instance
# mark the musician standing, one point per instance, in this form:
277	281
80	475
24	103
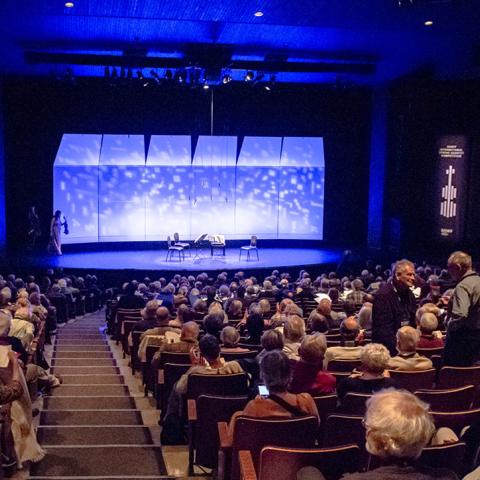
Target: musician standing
55	244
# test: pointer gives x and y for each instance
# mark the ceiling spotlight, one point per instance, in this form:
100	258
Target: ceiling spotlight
69	4
226	79
428	23
258	14
206	86
268	88
249	76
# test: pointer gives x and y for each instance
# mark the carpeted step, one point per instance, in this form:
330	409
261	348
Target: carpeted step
90	417
82	362
80	341
85	370
85	329
83	355
89	390
93	379
101	461
60	347
101	435
89	403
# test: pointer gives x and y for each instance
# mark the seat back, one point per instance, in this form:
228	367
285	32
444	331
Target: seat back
253	241
456	420
451	377
326	405
211	410
176	237
445	456
428	352
169	241
222	385
255	433
343	365
283	463
171	374
343	429
450	400
174	357
355	403
413	380
229	356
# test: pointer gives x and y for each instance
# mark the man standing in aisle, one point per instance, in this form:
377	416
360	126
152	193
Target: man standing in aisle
462	347
394	306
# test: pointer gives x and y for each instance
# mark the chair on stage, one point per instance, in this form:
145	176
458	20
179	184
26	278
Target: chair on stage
178	243
249	248
172	248
218	242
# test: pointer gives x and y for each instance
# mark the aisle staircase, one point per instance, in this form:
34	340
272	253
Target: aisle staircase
92	426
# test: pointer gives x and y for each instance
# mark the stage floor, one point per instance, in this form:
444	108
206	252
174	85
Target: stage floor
155	260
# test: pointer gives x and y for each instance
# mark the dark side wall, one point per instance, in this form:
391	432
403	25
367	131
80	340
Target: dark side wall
39	111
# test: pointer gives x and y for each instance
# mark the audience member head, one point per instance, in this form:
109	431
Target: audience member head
294	329
407	339
272	340
426	308
365	316
374	358
200	306
275	371
404	274
255	326
325	307
190	331
317	322
312	349
163	315
150	310
213	323
209	347
229	337
398	425
428	323
459	263
264	306
349	329
235	308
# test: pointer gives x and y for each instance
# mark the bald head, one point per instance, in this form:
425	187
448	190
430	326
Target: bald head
349	328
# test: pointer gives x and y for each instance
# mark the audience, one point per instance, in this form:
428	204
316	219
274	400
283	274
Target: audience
428	328
293	331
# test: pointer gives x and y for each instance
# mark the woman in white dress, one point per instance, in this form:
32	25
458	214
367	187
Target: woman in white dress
55	245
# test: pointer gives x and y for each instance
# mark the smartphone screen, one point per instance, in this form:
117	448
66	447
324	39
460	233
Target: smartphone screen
263	390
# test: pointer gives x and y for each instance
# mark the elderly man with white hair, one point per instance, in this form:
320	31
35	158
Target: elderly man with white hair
408	358
293	331
398	426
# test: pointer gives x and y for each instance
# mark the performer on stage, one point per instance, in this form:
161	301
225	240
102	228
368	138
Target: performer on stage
55	244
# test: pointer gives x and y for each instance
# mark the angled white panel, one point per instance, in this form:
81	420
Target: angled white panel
303	152
123	150
78	149
170	150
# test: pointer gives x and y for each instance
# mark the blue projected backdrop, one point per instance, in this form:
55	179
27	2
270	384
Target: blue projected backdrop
111	189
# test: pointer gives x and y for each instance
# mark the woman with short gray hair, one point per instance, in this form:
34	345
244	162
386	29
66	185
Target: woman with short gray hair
398	426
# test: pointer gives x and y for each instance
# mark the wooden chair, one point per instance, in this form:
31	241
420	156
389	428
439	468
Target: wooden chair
333	336
284	463
452	377
343	365
450	400
161	387
126	328
355	403
456	420
326	405
234	384
178	243
121	315
249	248
217	242
203	415
445	456
428	352
342	429
255	433
229	356
167	377
413	380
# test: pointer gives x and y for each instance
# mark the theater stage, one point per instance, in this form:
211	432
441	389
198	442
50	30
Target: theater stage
155	259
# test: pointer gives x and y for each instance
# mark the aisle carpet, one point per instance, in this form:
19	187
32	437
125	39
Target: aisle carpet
90	426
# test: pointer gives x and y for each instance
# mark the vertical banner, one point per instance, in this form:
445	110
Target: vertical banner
452	152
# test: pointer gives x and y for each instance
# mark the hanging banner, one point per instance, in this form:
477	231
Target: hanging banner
452	152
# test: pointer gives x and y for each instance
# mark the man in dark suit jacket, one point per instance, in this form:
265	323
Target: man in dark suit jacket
394	306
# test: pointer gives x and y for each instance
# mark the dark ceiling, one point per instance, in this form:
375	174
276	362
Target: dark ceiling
310	41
